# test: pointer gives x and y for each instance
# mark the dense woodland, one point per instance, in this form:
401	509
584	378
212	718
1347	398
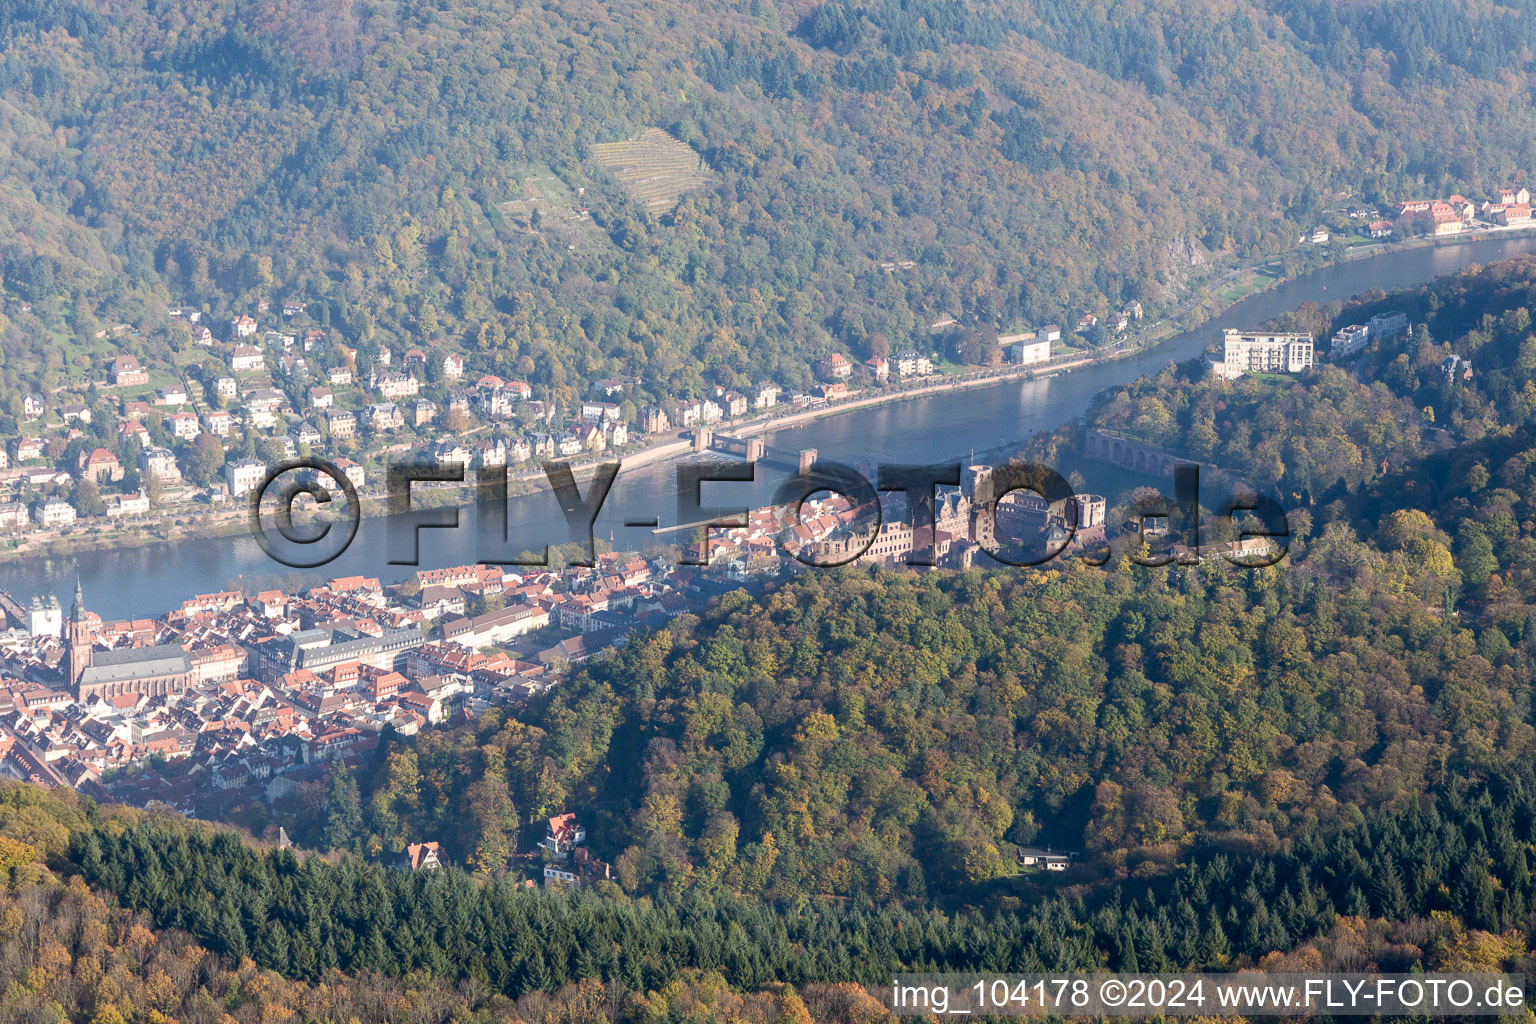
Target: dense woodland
356	156
1443	884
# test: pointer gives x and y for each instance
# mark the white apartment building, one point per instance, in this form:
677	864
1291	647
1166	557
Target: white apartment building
1028	351
1350	340
54	512
1386	325
1252	352
242	475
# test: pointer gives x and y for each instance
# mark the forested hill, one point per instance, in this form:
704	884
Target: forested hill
110	915
896	736
417	171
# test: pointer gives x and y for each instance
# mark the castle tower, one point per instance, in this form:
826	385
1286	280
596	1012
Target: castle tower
79	638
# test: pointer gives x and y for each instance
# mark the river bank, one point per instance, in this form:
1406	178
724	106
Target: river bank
986	414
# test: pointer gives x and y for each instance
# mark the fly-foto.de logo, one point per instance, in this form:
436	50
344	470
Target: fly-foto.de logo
305	513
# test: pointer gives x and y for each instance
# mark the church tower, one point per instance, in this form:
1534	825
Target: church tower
79	639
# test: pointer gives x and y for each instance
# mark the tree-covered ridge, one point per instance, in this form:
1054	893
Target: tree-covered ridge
894	736
1436	427
355	155
1346	425
70	953
1442	884
891	736
1303	441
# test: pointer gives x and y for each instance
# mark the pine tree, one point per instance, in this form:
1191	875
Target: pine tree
1214	948
344	816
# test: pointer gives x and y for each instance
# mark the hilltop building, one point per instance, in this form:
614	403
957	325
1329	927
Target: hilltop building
1254	352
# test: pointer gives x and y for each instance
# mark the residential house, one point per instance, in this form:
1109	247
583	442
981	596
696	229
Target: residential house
397	385
835	366
1257	352
183	425
1028	352
247	357
654	420
562	834
136	430
172	395
683	414
1349	340
321	397
218	422
242	476
912	364
124	371
423	857
353	472
383	416
765	396
243	326
262	407
1389	324
341	424
1046	859
52	512
596	412
490	454
1512	215
120	505
159	463
496	403
99	466
28	449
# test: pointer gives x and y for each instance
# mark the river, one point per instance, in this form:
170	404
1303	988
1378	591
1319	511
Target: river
987	423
